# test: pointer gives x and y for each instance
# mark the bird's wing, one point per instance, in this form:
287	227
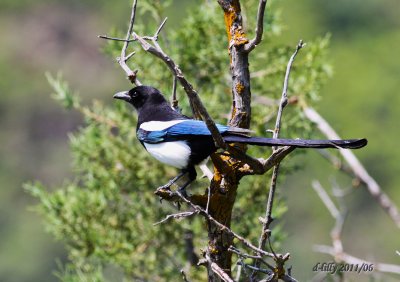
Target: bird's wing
192	127
178	131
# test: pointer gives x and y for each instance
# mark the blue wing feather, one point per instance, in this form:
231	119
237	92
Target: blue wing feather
185	128
192	127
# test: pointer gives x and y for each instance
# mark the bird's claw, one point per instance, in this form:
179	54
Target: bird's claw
164	187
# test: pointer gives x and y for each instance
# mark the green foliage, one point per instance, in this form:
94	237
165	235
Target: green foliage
63	93
105	215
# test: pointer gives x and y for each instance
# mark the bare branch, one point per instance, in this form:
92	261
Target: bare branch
259	269
344	257
115	38
159	29
175	216
337	162
174	102
200	210
123	59
357	168
243	255
284	99
337	250
276	157
184	276
339	216
268	218
265	232
218	270
325	199
206	171
259	29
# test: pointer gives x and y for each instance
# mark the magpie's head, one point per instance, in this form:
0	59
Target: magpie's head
141	95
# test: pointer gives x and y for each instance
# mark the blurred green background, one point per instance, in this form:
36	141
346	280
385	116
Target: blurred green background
360	100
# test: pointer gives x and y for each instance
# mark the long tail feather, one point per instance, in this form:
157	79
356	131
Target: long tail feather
318	144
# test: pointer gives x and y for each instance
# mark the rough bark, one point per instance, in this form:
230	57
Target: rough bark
226	176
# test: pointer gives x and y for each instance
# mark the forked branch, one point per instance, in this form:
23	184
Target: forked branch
265	232
357	169
197	106
337	250
259	28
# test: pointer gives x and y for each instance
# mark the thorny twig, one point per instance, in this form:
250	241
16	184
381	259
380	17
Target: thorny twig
265	233
338	215
174	102
337	249
201	211
218	270
175	216
259	28
357	168
284	99
123	59
325	199
184	276
243	255
344	257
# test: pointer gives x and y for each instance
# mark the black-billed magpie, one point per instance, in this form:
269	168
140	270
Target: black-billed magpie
179	141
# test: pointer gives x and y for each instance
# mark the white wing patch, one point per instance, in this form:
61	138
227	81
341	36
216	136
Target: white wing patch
159	125
175	153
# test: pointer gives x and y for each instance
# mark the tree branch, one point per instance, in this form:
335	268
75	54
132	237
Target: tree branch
339	216
123	59
184	278
325	199
222	227
357	168
337	250
218	270
175	216
265	232
284	99
344	257
259	29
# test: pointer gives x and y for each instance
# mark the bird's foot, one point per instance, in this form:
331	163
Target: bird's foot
163	191
166	187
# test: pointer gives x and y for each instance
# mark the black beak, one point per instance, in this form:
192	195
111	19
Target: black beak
123	95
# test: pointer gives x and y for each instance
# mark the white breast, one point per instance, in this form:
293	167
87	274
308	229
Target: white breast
159	125
172	153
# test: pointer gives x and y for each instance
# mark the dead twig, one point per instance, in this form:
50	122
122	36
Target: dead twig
337	250
259	28
268	212
176	194
184	278
338	215
123	58
357	168
175	216
218	270
344	257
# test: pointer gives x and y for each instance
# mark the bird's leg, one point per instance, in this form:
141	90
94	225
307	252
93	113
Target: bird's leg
192	177
173	180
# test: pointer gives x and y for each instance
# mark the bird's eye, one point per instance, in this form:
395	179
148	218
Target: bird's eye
134	94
